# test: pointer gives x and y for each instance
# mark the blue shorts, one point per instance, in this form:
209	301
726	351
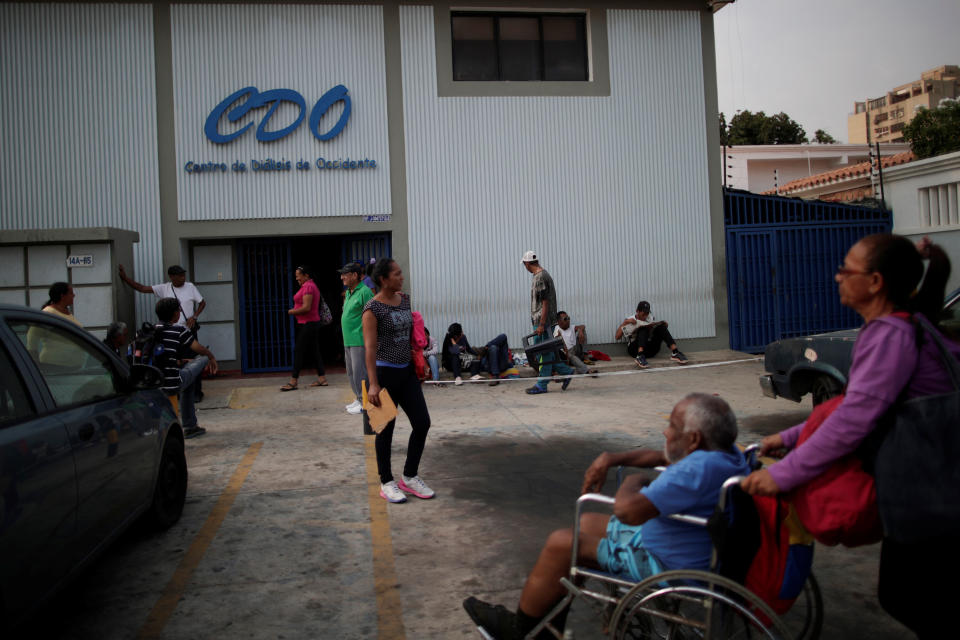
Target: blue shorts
622	554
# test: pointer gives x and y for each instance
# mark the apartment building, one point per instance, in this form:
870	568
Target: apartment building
883	119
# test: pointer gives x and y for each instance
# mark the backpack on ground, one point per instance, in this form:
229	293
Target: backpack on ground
147	347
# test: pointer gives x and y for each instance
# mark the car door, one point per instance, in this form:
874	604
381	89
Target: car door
115	442
38	486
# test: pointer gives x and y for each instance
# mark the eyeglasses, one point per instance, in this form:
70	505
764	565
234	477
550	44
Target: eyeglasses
843	271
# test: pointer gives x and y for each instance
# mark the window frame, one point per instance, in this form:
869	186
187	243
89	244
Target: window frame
598	63
89	346
497	16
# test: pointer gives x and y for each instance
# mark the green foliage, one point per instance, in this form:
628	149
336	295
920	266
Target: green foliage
823	137
933	132
724	137
759	128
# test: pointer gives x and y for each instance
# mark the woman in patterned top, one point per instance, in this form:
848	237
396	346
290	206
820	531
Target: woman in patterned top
387	323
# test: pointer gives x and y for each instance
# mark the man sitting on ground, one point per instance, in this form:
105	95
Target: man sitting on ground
181	368
574	339
644	335
639	540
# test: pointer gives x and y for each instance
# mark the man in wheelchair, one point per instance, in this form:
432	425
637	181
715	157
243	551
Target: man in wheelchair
639	540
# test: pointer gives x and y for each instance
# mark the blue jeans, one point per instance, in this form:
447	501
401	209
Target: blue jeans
548	363
497	355
434	367
189	379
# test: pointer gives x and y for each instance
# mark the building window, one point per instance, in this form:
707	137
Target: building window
519	47
938	205
897	127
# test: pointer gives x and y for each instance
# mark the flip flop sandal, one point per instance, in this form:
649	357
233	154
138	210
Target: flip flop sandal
317	383
288	387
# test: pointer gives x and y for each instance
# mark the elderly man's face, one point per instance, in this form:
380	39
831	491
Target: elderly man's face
350	279
677	442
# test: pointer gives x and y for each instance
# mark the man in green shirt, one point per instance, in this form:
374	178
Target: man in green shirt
354	298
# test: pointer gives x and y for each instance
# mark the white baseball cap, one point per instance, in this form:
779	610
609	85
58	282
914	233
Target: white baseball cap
529	256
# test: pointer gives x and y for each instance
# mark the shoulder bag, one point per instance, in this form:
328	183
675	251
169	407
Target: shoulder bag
325	316
917	465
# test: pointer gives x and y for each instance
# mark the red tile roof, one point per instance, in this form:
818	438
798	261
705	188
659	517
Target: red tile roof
843	173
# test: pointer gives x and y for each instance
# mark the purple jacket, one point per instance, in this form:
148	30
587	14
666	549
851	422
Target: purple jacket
885	361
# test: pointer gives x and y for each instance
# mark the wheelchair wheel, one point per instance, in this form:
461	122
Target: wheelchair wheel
683	605
804	621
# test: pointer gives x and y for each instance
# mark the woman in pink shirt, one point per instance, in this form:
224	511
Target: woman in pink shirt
879	280
306	310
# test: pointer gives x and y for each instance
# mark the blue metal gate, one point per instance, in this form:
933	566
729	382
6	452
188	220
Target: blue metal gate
782	254
264	292
364	248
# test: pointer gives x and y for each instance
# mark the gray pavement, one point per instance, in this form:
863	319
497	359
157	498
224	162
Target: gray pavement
302	547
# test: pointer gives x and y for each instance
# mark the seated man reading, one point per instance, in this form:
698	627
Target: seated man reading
644	335
639	540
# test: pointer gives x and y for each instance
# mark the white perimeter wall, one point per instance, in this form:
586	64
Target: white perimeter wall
221	48
78	105
924	198
611	191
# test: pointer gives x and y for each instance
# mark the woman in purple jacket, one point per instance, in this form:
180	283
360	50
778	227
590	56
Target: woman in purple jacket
879	278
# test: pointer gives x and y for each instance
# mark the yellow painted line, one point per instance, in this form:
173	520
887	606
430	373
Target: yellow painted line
389	610
171	595
251	397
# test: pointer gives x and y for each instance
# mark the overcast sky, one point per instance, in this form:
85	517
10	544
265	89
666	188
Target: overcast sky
814	58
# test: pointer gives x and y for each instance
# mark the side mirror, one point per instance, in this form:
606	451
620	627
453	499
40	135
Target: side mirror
144	377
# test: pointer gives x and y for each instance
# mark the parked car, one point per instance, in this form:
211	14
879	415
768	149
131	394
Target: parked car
88	445
819	364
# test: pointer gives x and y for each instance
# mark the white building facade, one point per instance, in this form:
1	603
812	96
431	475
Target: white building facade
752	167
243	140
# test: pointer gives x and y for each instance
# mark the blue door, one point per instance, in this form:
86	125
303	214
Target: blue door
265	293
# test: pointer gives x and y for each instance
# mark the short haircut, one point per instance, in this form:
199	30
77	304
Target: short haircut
57	290
167	309
561	314
115	330
713	418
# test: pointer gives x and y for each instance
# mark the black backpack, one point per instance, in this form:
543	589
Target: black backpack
147	347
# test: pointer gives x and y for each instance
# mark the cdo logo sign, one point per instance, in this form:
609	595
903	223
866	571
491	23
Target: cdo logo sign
250	98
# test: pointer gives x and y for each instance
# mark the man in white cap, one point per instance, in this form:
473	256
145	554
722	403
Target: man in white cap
543	315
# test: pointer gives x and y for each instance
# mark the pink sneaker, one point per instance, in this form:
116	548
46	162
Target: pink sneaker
416	486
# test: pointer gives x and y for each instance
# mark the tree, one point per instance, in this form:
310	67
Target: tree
823	137
724	135
759	128
933	132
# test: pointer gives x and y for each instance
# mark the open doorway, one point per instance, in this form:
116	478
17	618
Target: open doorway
266	284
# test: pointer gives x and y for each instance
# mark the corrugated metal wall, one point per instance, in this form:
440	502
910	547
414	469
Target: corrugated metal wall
221	48
611	191
78	106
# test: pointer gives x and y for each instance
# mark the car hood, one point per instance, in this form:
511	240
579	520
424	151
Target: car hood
832	349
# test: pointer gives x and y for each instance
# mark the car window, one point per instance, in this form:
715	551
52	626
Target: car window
15	402
75	371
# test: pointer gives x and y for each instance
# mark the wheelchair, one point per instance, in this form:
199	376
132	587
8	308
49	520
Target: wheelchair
687	604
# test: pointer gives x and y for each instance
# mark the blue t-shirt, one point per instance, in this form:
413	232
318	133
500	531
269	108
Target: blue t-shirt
690	486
